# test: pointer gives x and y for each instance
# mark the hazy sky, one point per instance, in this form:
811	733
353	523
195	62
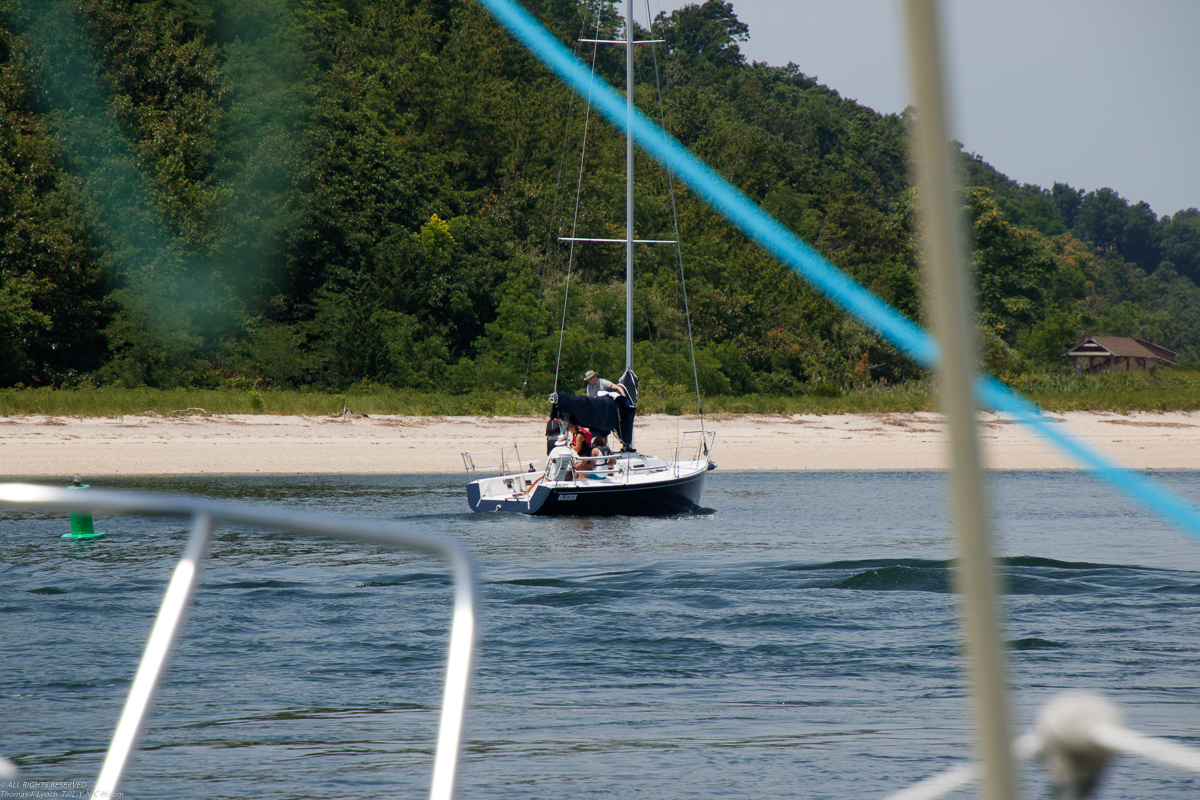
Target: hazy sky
1093	93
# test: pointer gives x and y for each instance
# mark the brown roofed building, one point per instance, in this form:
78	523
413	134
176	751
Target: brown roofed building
1106	353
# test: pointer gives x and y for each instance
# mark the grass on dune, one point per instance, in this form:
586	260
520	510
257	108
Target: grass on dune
1160	390
1164	390
114	402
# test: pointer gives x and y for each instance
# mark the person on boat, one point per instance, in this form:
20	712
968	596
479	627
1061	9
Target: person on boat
599	450
553	429
558	463
581	444
581	438
596	385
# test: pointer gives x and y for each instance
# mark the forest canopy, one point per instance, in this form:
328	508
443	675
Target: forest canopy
332	193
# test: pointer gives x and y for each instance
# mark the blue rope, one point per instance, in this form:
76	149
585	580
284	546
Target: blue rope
1152	495
854	298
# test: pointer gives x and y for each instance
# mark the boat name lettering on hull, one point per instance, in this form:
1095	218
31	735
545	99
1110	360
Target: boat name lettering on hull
567	496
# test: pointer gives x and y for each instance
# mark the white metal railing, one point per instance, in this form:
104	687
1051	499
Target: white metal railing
473	468
589	467
621	471
699	451
505	466
694	446
205	515
506	463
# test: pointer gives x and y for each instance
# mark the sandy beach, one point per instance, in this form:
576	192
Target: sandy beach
149	444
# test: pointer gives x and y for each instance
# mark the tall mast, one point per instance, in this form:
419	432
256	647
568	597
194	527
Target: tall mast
628	184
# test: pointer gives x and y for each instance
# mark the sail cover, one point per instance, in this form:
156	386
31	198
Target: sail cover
628	407
597	414
609	412
630	382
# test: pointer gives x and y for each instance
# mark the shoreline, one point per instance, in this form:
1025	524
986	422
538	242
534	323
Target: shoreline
245	444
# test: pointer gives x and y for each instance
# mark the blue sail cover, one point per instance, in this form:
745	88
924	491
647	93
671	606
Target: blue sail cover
604	414
597	414
630	382
628	407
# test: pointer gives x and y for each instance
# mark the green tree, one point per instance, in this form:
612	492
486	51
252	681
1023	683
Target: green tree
52	305
1012	268
1179	242
1067	200
704	35
1046	340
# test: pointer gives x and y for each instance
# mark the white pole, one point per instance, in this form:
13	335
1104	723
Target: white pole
952	319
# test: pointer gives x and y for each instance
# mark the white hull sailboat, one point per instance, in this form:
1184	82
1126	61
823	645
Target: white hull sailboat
626	483
637	486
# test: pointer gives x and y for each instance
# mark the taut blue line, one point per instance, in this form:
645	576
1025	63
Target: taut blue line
854	298
1150	494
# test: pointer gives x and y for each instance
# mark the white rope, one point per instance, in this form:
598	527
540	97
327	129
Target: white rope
1150	748
938	785
1076	737
1023	748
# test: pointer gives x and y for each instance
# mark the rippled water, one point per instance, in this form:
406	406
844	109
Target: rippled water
798	641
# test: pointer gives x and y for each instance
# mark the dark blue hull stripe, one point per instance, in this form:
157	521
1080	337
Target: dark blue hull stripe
591	499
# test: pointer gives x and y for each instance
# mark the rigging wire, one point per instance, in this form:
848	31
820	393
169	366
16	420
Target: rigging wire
661	380
653	353
646	307
678	249
678	244
562	161
575	220
545	267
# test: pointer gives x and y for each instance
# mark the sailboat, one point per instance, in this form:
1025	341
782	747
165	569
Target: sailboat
625	483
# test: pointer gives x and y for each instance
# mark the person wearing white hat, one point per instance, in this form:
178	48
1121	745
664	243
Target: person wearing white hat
558	463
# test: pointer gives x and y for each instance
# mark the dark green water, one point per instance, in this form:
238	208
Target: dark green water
797	642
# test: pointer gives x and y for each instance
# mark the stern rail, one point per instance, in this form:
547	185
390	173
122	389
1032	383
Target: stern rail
507	458
205	516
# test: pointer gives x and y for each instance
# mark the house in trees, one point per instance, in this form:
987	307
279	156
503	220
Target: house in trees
1106	353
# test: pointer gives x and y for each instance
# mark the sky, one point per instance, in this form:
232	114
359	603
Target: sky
1092	93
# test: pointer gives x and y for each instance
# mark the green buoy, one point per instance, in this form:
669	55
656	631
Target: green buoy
81	523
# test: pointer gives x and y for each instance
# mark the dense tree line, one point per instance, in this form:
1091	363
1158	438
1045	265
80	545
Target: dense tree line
339	192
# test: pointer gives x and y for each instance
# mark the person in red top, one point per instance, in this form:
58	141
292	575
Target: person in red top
581	443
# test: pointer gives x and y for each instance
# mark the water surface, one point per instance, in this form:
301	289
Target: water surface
798	640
